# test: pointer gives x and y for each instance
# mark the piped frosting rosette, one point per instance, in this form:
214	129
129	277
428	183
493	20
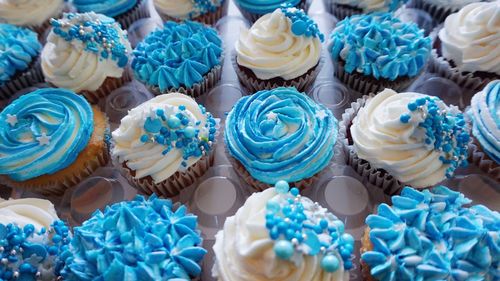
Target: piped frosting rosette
30	13
280	134
208	12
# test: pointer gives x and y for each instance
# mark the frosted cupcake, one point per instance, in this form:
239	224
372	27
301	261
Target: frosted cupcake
180	57
279	235
253	10
123	11
441	9
346	8
280	134
34	14
404	139
485	116
165	144
466	50
377	51
282	48
431	235
51	139
144	239
31	239
87	53
19	61
207	12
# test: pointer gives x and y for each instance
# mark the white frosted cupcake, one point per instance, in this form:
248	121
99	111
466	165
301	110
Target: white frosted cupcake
34	14
440	9
207	12
346	8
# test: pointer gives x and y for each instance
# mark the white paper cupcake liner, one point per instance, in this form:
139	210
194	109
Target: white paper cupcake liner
140	11
251	17
437	12
109	85
27	79
479	158
208	18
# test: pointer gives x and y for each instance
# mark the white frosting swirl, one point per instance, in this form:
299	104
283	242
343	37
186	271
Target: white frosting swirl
29	12
387	143
67	64
244	250
471	37
367	5
146	159
38	212
270	49
181	9
454	4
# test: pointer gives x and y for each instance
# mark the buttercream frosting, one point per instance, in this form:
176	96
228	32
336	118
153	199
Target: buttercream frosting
431	235
19	47
380	45
110	8
143	239
186	9
177	55
264	6
83	50
470	38
373	5
285	43
166	134
29	12
280	134
415	138
43	132
485	115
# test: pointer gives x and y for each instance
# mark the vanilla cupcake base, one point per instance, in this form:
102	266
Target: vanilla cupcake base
30	77
479	158
208	18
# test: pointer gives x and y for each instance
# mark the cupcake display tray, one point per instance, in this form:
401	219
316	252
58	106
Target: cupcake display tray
220	192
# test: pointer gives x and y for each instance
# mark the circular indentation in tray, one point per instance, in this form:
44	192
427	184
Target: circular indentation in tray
222	98
95	193
346	195
215	196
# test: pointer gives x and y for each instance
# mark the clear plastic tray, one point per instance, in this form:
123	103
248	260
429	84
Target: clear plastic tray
220	192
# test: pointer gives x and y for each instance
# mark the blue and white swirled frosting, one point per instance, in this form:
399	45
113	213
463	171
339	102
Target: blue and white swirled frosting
110	8
380	45
264	6
43	132
143	239
280	134
177	55
430	235
187	9
368	6
485	115
19	47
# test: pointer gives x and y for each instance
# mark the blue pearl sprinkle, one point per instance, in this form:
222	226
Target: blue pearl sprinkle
282	187
330	263
284	249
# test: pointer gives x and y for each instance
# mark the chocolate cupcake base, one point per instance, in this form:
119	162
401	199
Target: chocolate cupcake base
341	12
479	158
436	11
140	11
22	81
108	86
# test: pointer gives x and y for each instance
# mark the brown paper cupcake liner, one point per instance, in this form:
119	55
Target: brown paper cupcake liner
25	80
479	158
208	18
174	184
253	84
251	17
140	11
436	11
108	86
341	12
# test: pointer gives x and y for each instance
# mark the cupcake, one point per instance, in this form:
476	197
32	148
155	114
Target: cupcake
431	235
377	51
279	235
440	9
124	12
165	144
180	57
144	239
253	10
466	49
31	239
87	53
346	8
282	48
33	14
207	12
485	116
408	138
50	140
280	134
19	62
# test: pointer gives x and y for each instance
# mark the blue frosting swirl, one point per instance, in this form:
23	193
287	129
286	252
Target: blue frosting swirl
280	134
18	48
430	235
43	132
380	45
178	55
485	115
144	239
110	8
264	6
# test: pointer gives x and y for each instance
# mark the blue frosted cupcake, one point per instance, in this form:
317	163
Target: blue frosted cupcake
207	12
180	57
123	11
431	235
377	51
19	59
143	239
253	10
346	8
280	134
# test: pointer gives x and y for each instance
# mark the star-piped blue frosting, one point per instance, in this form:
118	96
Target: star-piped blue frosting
177	55
431	235
280	134
110	8
144	239
380	45
18	48
302	24
264	6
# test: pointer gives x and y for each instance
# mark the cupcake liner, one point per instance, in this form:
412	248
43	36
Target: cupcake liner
24	80
175	183
251	17
341	12
108	86
209	18
479	158
377	177
140	11
253	84
437	12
